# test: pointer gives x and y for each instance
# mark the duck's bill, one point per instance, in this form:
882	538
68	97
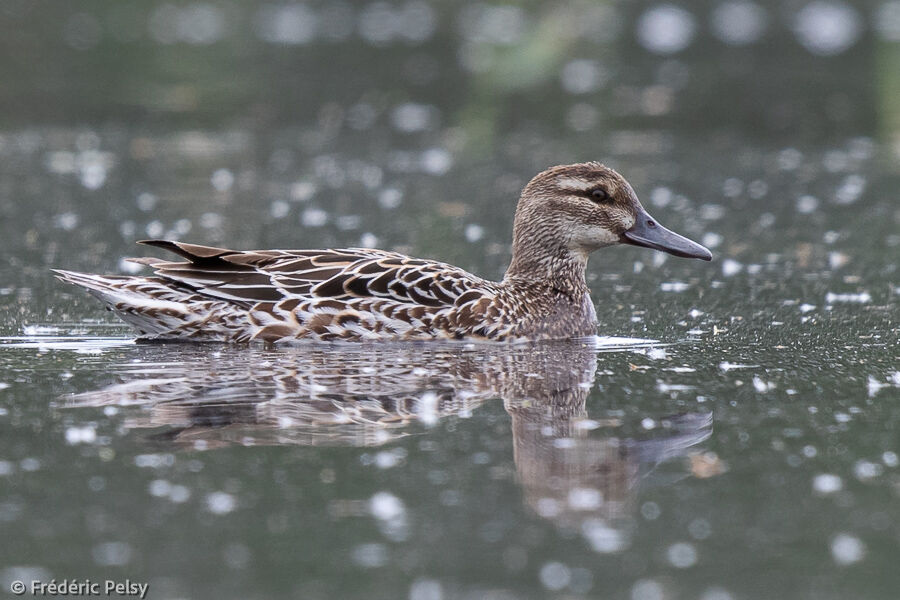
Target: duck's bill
648	233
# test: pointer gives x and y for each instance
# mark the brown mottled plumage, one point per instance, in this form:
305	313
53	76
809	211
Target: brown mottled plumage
563	215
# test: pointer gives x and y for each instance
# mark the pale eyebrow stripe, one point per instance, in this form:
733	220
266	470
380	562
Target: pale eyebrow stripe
574	183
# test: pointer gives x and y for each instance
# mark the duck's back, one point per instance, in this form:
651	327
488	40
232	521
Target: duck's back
276	295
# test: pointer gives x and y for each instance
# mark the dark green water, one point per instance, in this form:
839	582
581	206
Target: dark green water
737	439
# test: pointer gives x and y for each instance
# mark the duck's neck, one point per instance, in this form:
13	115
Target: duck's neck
557	268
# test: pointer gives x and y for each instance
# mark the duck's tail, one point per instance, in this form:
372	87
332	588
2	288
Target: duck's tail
155	309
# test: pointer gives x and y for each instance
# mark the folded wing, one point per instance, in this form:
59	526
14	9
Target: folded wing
249	277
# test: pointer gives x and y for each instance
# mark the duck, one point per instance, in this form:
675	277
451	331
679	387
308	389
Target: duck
563	214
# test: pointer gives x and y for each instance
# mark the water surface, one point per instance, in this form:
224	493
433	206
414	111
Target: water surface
733	433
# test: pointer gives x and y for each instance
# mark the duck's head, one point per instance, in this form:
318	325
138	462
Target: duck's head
588	206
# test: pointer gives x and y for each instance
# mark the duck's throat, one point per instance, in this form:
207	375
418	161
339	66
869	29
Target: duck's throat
562	271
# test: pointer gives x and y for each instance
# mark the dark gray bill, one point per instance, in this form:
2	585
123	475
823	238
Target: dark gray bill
650	234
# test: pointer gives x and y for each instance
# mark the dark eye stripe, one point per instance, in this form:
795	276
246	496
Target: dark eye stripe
598	196
589	194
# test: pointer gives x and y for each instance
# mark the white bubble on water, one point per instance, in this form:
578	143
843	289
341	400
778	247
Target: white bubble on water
730	366
586	499
279	209
657	353
548	508
417	21
761	386
555	576
314	217
368	240
155	229
30	464
666	29
757	189
807	204
286	24
712	239
873	386
436	161
827	27
851	298
93	175
473	232
378	23
387	459
682	555
348	222
827	483
66	221
674	286
179	494
370	556
789	159
603	538
427	409
850	190
81	435
222	180
211	220
716	593
385	506
836	260
650	511
647	589
159	488
661	196
865	470
302	191
700	529
390	198
582	76
220	503
731	267
411	117
182	226
426	589
847	549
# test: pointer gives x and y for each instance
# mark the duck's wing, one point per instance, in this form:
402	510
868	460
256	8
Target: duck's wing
342	274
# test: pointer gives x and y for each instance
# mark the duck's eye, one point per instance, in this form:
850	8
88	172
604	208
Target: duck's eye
599	195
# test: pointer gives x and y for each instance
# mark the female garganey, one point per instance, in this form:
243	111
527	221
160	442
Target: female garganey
563	215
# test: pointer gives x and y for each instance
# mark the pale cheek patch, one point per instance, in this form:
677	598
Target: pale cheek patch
573	183
624	217
591	237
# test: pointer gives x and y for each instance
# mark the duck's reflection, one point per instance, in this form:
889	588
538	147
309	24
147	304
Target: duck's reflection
572	468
